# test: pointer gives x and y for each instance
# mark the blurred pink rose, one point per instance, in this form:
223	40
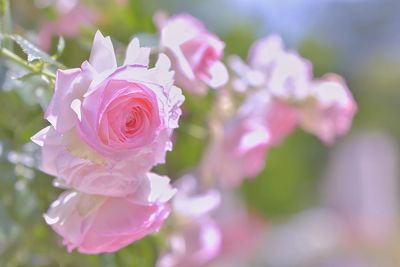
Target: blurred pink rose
277	116
194	245
284	74
324	107
72	16
96	224
287	75
194	51
242	238
240	151
109	121
329	111
197	238
263	52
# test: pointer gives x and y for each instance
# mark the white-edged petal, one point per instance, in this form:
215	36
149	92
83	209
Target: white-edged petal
102	56
136	54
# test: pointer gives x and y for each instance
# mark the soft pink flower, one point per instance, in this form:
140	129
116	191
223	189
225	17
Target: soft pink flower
242	236
240	152
71	18
194	245
198	237
90	176
277	116
284	74
323	107
330	109
263	52
193	202
290	77
96	224
195	52
112	120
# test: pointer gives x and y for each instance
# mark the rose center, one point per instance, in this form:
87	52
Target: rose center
132	122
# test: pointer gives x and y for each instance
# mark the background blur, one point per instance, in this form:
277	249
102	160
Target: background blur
325	206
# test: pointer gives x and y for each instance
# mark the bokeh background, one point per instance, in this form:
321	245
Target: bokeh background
324	206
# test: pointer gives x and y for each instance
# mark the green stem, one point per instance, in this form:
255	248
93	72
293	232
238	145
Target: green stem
25	64
5	23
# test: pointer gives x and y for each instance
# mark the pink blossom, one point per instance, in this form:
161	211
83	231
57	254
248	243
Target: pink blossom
242	235
283	73
286	74
71	18
276	115
195	52
323	107
198	237
329	111
291	77
109	121
96	224
193	202
263	52
194	245
240	152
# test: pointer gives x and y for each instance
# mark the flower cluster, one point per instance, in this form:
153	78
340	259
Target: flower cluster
280	95
110	125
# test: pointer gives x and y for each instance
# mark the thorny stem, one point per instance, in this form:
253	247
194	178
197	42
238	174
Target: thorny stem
25	64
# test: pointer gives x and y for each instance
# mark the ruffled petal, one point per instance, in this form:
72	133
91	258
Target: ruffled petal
102	56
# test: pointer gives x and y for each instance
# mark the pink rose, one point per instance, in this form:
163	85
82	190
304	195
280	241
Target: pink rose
117	179
72	16
287	75
284	74
330	109
243	236
195	52
115	120
96	224
240	152
197	238
323	107
194	245
277	116
291	77
191	201
263	52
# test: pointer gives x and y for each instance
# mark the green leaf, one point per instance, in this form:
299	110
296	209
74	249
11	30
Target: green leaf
25	77
33	52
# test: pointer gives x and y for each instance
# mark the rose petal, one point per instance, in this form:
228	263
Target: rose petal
102	56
